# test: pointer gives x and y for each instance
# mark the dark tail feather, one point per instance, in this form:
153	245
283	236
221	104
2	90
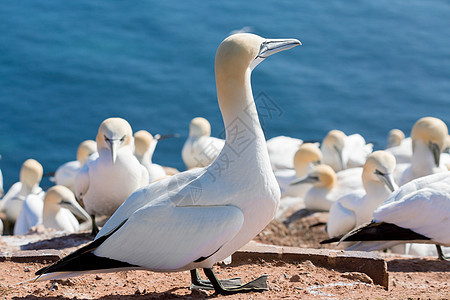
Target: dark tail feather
83	259
375	231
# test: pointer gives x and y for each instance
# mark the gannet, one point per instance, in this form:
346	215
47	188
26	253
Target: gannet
352	209
428	140
341	151
417	212
30	177
327	188
200	149
395	138
282	150
196	218
306	157
66	173
59	204
30	214
105	181
144	147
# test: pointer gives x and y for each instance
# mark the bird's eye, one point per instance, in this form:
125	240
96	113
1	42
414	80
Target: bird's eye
106	138
378	172
122	139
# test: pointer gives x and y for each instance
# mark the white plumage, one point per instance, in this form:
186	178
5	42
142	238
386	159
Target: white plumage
282	150
144	147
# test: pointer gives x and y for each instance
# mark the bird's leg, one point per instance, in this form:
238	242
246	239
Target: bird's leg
94	226
441	253
257	285
199	283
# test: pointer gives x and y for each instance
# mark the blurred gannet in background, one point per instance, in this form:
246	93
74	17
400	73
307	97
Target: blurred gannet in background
66	173
144	147
106	181
30	214
417	212
30	177
282	150
200	149
208	213
326	187
429	137
395	138
59	204
342	152
305	159
353	210
54	211
399	146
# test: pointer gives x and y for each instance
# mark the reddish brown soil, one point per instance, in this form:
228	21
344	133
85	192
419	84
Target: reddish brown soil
408	277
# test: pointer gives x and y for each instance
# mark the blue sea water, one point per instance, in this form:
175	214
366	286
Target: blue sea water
65	66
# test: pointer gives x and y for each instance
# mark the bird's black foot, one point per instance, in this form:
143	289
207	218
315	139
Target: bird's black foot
226	287
199	283
441	253
94	226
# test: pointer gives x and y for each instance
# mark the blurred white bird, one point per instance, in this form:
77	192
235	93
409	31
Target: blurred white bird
417	212
342	152
144	147
352	209
200	149
429	137
66	173
282	150
30	177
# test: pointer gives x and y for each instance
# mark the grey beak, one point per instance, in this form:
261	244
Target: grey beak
307	179
436	151
272	46
388	180
114	145
75	208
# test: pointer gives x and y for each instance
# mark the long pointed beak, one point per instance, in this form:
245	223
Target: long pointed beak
388	180
75	208
436	151
307	179
272	46
114	144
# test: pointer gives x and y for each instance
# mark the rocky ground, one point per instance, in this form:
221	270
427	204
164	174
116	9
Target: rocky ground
409	277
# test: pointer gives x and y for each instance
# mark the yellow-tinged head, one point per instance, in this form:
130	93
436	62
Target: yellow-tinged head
31	172
113	134
379	167
142	141
85	149
395	137
307	154
433	133
199	127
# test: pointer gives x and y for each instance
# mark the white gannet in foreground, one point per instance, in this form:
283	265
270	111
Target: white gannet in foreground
199	217
144	147
327	188
417	212
341	151
106	181
30	177
353	210
428	139
282	150
66	173
200	149
306	157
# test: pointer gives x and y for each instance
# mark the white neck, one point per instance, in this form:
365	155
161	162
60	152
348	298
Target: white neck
422	161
